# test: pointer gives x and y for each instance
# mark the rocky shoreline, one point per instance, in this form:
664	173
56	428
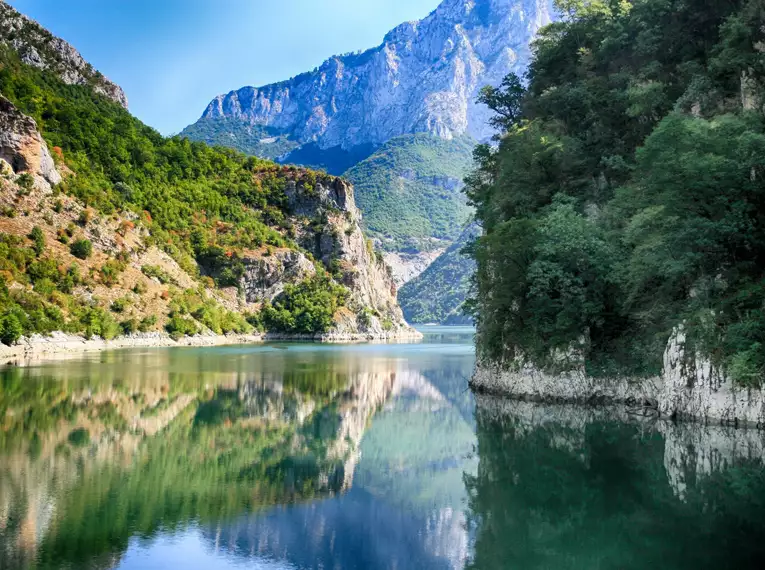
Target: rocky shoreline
59	345
689	388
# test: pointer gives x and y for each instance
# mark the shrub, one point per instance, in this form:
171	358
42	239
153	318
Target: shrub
156	272
98	322
10	329
129	326
119	305
110	272
38	238
44	287
147	323
179	327
81	248
26	181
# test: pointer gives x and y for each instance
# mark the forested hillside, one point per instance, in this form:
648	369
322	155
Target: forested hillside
409	190
136	231
627	193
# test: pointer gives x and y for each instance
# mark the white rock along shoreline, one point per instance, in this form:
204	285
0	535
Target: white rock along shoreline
59	345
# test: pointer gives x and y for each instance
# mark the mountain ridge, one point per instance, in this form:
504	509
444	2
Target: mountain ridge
424	77
37	47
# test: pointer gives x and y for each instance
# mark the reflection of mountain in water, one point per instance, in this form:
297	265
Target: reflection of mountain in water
355	531
567	487
405	509
85	465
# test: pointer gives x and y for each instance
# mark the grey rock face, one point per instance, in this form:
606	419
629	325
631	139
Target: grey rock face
689	388
265	276
326	222
424	77
36	46
22	147
338	242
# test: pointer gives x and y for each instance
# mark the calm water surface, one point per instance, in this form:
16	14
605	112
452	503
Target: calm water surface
371	456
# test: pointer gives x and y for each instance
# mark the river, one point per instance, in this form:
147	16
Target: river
369	456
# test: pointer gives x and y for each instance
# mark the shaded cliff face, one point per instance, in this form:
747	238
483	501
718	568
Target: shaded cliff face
424	77
39	48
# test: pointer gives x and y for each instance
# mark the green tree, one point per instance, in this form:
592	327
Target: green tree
81	248
38	239
10	329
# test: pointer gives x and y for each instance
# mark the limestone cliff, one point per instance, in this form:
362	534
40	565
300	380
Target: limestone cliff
690	387
424	77
22	148
326	225
37	47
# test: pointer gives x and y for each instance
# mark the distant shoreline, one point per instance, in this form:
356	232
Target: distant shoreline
59	345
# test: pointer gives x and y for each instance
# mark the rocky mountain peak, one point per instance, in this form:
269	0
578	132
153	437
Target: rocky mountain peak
39	48
424	77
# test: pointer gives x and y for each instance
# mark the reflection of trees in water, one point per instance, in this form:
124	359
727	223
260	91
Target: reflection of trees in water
567	488
231	441
405	507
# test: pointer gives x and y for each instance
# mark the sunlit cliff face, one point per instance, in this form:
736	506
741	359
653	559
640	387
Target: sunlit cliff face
424	77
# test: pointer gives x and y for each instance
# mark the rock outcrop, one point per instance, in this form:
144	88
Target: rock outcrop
22	148
424	77
37	47
328	225
690	387
266	275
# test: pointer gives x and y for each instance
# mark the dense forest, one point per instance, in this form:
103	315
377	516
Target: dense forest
625	195
409	191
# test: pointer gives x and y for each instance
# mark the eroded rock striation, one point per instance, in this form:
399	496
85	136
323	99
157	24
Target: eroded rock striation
39	48
690	387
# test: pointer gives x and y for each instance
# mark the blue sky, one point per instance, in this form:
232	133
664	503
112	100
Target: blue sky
173	56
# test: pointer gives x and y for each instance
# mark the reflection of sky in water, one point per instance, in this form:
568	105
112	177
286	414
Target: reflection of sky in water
403	508
297	456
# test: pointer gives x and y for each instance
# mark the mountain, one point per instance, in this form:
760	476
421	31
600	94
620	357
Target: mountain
411	189
38	48
399	120
423	78
438	293
108	227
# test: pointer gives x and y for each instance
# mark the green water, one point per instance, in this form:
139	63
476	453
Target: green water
362	456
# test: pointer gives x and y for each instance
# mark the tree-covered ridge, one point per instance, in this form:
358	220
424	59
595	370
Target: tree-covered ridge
255	140
208	208
409	190
438	294
626	197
